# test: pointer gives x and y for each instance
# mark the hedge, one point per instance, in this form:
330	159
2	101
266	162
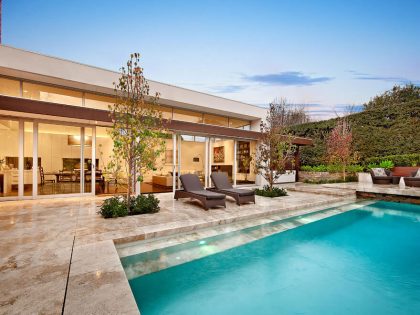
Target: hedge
331	168
377	132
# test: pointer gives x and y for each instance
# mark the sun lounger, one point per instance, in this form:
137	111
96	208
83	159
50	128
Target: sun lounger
222	185
193	189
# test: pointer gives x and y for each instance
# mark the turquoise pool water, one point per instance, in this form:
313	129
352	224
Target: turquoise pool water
364	261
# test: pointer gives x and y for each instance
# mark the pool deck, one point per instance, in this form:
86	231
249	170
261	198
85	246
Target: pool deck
59	254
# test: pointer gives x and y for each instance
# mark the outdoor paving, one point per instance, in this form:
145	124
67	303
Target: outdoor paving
46	242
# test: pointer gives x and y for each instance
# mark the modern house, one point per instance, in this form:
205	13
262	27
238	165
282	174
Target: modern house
53	131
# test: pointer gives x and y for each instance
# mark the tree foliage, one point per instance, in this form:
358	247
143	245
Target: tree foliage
275	149
339	149
397	95
137	125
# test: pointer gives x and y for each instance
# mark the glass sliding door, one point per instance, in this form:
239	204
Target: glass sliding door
59	156
222	157
90	176
193	156
28	161
245	157
9	158
160	179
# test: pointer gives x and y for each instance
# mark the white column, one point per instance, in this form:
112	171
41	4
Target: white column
210	148
21	158
82	160
35	166
235	162
138	185
179	161
94	166
206	164
174	155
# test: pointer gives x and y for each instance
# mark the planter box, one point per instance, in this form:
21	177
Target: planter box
288	177
364	178
318	176
404	171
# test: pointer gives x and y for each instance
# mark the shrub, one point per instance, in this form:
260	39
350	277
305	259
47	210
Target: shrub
117	206
331	181
355	169
372	165
398	160
145	204
113	207
386	164
275	192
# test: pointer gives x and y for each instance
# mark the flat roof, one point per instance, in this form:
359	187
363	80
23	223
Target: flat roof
33	66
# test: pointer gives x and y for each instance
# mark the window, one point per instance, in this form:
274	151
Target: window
9	87
98	101
186	115
51	94
239	123
166	111
216	120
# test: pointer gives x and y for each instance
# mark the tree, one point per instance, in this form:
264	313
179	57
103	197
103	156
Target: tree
398	95
137	125
275	149
339	146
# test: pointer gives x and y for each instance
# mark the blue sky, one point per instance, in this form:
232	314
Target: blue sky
326	55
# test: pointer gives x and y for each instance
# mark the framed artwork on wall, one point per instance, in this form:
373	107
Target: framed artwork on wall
219	154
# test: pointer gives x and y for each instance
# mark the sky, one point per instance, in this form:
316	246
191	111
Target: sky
325	55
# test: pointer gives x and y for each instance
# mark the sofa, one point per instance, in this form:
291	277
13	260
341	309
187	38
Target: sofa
413	180
381	179
162	180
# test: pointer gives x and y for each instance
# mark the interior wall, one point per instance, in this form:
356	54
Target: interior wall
229	154
9	143
251	176
189	151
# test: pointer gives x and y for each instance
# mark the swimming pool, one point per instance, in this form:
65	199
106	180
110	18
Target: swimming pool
363	261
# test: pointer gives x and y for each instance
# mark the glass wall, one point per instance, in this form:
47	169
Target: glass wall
59	156
52	94
160	179
222	156
9	158
193	153
215	120
28	159
98	101
9	87
114	173
245	157
186	115
239	124
88	177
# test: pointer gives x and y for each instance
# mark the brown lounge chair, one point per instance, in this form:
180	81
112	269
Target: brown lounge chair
223	186
413	181
194	189
381	180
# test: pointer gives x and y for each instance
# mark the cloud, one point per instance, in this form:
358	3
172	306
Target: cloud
228	88
371	77
287	78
